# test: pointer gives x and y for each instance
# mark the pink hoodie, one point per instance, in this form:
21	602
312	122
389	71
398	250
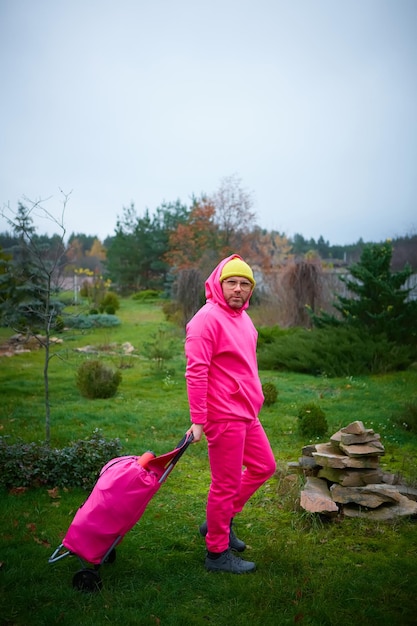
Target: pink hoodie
222	370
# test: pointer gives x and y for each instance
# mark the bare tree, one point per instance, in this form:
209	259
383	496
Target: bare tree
234	214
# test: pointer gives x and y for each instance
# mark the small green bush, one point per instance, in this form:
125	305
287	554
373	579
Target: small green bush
312	420
35	465
109	304
96	380
59	324
270	393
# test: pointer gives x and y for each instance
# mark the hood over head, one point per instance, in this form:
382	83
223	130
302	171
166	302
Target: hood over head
236	267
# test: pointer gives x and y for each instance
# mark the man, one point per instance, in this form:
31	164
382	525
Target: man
225	397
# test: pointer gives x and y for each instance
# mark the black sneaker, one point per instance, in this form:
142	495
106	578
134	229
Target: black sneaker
234	542
229	562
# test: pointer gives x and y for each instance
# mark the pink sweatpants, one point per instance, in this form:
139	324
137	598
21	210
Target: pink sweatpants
232	446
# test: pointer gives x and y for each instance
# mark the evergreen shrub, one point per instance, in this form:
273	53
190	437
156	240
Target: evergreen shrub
36	464
312	420
267	335
96	380
333	351
82	322
109	304
147	295
59	324
270	393
162	347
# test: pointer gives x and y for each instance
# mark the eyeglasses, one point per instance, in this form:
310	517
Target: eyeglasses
245	285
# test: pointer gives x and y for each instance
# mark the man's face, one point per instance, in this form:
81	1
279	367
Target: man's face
236	291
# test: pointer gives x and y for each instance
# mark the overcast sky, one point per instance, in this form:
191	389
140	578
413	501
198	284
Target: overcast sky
311	103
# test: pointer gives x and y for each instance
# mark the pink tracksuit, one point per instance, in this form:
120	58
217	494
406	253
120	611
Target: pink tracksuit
225	395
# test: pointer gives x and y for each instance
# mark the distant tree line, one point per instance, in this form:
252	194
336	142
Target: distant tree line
151	251
174	249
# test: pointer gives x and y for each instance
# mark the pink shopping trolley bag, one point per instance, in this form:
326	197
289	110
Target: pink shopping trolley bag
116	503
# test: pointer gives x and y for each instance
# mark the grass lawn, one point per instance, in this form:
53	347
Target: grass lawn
351	571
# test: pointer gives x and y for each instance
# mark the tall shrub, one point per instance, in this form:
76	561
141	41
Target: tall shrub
379	302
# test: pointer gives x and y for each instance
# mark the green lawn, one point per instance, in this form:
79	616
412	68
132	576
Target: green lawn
309	572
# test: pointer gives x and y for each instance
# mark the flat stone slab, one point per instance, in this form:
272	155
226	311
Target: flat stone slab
409	492
351	477
307	462
355	428
327	448
373	448
370	496
327	456
347	438
315	497
308	450
384	513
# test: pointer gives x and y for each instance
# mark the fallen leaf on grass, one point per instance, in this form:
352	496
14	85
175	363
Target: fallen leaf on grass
16	491
42	542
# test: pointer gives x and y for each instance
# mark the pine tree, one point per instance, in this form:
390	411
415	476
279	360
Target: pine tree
380	302
29	306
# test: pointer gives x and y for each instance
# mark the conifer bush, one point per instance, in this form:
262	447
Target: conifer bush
59	324
147	295
109	304
96	380
92	320
339	351
270	393
312	420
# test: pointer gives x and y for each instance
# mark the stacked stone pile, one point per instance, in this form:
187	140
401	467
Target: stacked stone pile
344	475
21	344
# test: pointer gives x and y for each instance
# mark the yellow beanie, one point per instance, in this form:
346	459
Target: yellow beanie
237	267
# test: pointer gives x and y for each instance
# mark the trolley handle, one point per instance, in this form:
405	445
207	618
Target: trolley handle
187	439
182	446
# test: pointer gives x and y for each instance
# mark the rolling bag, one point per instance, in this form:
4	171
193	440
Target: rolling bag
116	503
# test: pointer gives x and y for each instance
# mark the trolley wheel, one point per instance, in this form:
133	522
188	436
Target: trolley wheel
111	557
87	580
